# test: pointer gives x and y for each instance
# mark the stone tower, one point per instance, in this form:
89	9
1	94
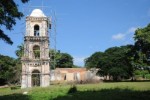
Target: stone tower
35	61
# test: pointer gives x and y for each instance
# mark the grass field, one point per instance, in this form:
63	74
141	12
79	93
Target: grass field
101	91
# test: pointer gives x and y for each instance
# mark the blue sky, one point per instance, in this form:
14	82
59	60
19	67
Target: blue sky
85	26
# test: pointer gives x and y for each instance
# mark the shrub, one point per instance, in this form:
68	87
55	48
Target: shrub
147	76
137	72
73	89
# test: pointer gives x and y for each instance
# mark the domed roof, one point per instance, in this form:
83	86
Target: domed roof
37	13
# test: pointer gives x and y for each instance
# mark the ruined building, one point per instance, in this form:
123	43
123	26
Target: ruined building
35	61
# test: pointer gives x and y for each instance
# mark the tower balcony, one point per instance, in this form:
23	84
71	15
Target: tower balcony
36	38
34	59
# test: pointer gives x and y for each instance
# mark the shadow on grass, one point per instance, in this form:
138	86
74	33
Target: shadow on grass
107	94
107	81
15	97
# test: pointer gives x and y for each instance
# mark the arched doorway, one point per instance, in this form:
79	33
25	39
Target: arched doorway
35	78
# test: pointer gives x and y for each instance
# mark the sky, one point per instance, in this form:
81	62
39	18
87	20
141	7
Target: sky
84	27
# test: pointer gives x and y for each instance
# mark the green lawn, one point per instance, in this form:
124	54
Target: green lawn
101	91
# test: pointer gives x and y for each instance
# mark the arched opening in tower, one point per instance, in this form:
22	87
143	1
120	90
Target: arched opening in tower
35	78
36	52
36	30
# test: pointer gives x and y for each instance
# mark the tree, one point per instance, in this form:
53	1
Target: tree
65	61
142	35
8	14
8	70
54	55
116	73
20	51
119	62
93	60
142	46
115	61
60	60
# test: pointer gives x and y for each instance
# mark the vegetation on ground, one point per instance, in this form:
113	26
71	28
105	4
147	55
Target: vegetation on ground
101	91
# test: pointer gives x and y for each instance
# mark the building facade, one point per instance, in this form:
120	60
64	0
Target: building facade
35	61
74	75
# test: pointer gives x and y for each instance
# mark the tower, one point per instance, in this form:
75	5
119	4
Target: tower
35	61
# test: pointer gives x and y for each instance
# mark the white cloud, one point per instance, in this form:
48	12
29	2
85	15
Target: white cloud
122	36
119	36
131	30
79	60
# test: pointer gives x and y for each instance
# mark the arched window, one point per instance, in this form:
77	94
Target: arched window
36	78
36	52
36	30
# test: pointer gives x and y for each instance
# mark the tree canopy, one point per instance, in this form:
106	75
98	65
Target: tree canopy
93	60
61	60
8	14
113	62
19	52
142	46
9	70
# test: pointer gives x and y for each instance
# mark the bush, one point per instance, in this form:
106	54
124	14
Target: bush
73	89
147	76
137	72
144	72
141	74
